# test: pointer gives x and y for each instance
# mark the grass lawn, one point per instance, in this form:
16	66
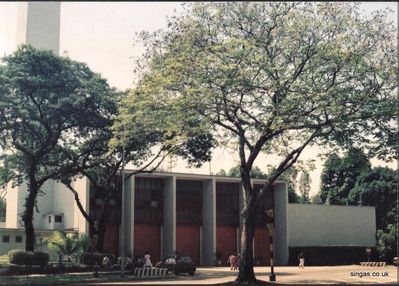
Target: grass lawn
62	279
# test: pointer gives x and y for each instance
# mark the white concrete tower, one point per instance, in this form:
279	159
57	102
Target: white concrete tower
39	25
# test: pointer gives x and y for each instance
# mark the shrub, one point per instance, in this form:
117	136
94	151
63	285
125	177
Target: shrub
21	257
39	258
89	258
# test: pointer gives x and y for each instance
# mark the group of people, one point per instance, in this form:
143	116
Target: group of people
145	261
233	260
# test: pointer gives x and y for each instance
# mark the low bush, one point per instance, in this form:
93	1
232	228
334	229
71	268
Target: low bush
21	257
40	258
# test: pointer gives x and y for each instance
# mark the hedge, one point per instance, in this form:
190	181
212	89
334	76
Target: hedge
21	257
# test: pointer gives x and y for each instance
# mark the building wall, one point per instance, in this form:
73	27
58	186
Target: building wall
45	204
64	202
12	206
5	247
81	185
326	225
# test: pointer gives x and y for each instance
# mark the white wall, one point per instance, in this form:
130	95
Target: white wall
63	202
326	225
39	25
12	206
44	204
82	186
5	247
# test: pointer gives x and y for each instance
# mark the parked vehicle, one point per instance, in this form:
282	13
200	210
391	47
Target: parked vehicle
178	264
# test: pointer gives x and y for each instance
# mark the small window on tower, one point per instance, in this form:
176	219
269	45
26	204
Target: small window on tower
57	218
49	219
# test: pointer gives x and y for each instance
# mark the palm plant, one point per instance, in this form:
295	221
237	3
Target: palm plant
67	244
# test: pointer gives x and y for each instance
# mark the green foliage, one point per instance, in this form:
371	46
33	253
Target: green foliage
21	257
272	77
339	175
290	176
68	244
256	173
387	245
3	207
378	187
49	107
304	187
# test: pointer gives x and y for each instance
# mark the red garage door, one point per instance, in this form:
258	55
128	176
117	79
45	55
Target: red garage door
148	238
262	245
226	242
111	239
188	241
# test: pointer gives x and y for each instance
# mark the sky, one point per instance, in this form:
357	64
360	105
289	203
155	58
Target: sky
103	36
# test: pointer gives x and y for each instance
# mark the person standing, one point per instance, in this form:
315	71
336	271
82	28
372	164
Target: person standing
301	258
147	260
232	260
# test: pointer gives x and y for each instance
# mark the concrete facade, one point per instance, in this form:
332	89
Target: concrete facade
39	25
328	225
208	227
296	225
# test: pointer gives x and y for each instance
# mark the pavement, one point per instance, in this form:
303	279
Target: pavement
329	275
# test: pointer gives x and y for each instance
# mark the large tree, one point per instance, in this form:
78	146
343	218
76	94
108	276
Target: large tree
49	106
273	78
379	188
140	138
339	175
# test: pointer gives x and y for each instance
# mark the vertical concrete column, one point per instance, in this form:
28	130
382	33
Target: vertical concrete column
280	219
169	217
128	236
208	223
39	25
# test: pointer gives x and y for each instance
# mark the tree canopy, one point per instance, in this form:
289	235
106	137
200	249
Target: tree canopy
274	78
339	175
378	187
49	106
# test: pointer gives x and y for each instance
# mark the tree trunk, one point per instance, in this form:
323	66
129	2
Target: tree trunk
246	273
101	230
79	204
27	216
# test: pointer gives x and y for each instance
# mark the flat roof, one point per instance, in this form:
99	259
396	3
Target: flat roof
191	176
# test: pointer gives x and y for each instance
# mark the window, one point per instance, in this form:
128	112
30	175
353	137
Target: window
6	238
49	219
18	238
57	218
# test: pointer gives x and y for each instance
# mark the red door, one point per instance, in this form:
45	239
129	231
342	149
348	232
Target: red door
262	245
188	241
111	239
226	242
147	237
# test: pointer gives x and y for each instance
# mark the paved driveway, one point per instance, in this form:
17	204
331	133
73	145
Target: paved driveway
350	274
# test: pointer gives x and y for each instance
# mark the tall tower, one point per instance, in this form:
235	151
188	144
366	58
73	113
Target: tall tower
39	25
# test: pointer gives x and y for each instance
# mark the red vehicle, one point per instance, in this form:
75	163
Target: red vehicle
178	264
